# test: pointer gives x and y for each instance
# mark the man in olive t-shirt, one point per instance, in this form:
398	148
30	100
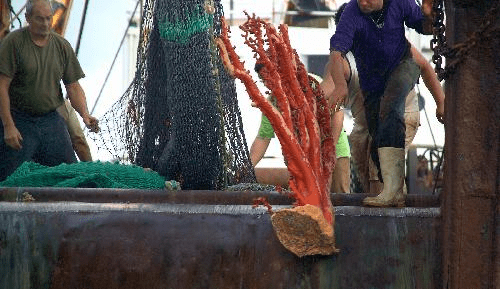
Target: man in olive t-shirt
33	61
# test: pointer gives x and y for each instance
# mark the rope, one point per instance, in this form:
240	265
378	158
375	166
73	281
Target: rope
13	12
13	19
428	121
438	171
214	59
82	23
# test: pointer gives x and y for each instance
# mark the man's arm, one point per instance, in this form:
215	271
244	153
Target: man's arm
414	13
327	85
431	82
79	103
12	136
337	72
258	149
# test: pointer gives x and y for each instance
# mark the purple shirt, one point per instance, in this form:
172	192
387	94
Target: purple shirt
377	51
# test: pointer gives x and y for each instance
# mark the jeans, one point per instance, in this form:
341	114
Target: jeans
385	109
45	141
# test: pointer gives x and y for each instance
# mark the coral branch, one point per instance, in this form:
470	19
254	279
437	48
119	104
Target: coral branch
264	202
300	118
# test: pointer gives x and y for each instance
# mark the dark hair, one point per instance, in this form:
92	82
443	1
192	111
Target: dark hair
258	67
339	13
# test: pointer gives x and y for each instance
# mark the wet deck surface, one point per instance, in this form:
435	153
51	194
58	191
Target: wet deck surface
182	244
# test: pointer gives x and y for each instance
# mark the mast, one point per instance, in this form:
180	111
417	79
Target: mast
4	17
62	9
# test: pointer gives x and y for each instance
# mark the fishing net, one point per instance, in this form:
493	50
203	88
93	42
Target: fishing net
84	175
180	115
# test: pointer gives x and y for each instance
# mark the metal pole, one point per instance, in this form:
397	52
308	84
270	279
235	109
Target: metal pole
82	23
4	16
231	9
470	209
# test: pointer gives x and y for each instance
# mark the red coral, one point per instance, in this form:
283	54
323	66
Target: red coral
301	119
264	202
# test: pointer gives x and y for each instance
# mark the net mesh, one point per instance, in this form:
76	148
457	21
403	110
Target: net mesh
180	115
84	175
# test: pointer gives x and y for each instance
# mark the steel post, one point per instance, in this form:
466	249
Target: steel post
471	218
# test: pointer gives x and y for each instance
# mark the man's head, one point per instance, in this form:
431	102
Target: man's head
261	71
369	6
39	16
258	66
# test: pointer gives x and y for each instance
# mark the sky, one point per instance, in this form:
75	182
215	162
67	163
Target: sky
105	26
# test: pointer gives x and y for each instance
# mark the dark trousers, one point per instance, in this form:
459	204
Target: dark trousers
45	141
385	109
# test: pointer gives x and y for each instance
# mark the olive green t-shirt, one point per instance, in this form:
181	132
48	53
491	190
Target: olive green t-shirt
36	72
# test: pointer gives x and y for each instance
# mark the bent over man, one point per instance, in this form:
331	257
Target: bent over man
374	31
360	139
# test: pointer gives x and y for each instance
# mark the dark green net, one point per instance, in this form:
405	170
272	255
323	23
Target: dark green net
180	115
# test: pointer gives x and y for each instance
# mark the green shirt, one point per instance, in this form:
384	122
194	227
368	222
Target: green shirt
342	149
36	72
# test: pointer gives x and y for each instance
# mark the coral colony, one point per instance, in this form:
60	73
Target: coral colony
301	120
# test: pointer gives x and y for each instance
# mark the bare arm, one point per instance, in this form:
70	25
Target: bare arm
12	136
337	117
431	82
327	85
337	125
79	103
258	149
337	72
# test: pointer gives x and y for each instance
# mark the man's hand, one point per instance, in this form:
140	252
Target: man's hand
13	138
427	10
427	7
440	112
338	97
92	123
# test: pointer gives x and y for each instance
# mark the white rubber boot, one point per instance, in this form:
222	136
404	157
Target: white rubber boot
392	166
376	187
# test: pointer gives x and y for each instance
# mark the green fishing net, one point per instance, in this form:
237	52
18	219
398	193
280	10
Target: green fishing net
84	175
181	30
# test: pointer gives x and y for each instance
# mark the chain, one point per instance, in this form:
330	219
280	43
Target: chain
438	41
458	52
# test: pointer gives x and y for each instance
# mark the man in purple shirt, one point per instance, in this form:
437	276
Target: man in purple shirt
374	31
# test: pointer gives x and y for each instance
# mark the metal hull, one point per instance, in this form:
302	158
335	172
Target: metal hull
208	243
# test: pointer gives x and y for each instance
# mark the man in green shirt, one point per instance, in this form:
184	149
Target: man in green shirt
33	61
341	175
